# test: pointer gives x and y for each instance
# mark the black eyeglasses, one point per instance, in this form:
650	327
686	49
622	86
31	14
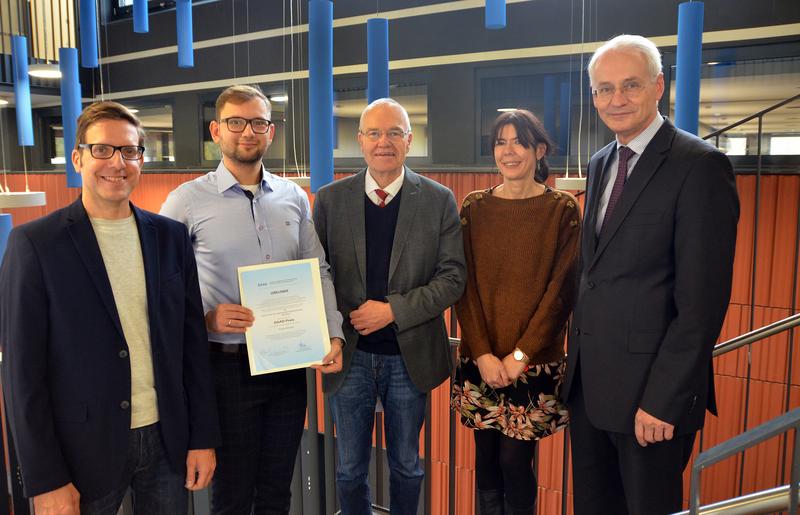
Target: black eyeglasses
103	151
238	124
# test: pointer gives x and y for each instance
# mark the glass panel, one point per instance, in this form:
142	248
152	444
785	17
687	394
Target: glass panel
347	108
733	90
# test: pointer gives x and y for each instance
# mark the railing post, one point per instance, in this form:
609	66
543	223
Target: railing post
694	500
795	475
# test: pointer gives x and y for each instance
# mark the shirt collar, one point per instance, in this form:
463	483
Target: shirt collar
370	185
226	180
640	142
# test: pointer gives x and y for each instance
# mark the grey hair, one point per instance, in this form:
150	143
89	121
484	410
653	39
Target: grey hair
629	43
389	102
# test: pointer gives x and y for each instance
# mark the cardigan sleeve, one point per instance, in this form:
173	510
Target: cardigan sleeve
471	318
554	309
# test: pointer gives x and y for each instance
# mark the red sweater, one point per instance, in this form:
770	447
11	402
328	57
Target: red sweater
521	274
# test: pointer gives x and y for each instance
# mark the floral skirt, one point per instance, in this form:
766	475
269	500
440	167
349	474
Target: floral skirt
528	409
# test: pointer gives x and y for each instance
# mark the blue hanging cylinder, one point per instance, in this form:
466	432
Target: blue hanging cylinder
320	91
88	19
687	68
495	14
22	90
140	23
564	119
6	225
183	9
377	59
70	108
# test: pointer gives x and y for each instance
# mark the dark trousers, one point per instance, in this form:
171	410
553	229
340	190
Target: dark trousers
612	473
261	419
156	489
505	465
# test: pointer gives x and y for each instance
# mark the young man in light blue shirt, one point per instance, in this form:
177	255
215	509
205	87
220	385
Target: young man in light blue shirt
239	215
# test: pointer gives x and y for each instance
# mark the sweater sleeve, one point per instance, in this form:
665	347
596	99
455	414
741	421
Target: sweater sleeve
554	309
471	319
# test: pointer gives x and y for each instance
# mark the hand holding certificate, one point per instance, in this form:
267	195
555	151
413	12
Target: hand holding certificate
290	329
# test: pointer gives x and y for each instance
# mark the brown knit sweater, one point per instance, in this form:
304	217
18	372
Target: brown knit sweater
521	265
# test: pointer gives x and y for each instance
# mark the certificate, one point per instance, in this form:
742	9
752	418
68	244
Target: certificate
290	329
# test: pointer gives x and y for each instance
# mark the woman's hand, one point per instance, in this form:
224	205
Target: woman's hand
492	371
513	368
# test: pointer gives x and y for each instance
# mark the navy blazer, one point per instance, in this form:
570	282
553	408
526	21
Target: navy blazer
66	371
654	287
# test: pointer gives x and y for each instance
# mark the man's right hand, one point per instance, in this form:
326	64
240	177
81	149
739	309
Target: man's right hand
492	371
61	501
229	318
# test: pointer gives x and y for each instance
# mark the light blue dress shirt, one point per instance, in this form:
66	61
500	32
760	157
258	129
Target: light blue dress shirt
228	231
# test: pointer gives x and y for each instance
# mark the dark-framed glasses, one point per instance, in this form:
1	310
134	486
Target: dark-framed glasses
104	151
238	124
630	89
392	134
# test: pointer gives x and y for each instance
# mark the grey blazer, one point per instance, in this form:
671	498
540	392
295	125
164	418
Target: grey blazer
426	272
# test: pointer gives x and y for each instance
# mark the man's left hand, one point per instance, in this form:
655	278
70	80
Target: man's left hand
332	362
200	465
371	316
649	429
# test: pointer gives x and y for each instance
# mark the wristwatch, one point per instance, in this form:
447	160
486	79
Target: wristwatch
521	356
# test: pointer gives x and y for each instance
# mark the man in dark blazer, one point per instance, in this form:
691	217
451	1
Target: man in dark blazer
655	280
393	241
106	372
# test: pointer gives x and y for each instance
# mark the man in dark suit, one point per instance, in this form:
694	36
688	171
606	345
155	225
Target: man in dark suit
106	373
393	240
655	280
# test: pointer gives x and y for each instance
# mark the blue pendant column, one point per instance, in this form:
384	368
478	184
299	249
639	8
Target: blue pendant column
6	225
320	91
687	69
183	9
70	108
495	14
377	59
141	25
22	90
88	19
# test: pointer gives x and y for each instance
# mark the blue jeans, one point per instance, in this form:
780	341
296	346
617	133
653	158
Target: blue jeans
156	488
353	409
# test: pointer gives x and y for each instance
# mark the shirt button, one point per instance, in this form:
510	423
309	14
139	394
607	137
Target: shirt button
123	353
267	256
577	331
590	285
124	404
260	227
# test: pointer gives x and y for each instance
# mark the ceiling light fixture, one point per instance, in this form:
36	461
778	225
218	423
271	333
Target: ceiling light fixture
506	109
3	102
279	98
44	71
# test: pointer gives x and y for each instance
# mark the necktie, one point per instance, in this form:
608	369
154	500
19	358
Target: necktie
619	183
382	195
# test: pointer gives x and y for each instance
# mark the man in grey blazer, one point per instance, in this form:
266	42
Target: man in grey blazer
393	241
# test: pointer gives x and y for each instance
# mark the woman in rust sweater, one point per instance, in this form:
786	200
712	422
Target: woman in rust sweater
521	243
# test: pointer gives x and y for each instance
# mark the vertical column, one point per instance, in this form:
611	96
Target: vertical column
495	14
88	19
377	59
141	24
183	18
70	108
687	69
22	91
320	94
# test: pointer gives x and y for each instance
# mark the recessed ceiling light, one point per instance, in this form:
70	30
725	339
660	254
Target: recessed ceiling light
279	98
712	63
44	71
506	109
3	102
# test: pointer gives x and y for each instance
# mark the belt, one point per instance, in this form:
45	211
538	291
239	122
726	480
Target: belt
228	348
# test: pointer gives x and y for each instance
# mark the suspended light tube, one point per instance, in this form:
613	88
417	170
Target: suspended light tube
183	9
320	86
22	90
377	59
88	19
687	68
70	109
141	25
495	14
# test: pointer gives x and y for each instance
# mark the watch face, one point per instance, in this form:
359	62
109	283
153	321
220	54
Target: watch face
518	355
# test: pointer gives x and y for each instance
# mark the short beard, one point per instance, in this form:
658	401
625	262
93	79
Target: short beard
244	159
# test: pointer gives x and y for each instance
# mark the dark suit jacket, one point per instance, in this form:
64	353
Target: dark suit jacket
426	270
66	372
655	286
